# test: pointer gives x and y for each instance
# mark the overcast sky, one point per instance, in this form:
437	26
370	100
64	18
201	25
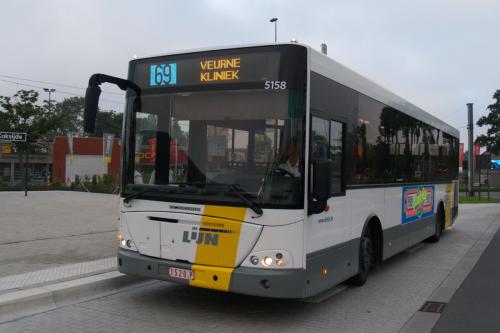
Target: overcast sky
437	54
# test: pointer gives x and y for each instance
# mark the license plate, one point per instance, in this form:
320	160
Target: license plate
179	273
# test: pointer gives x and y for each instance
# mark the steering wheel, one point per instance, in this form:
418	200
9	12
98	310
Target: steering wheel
284	172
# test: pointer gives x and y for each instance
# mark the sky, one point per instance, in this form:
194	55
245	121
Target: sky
439	55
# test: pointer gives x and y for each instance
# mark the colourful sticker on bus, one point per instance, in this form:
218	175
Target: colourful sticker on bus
418	203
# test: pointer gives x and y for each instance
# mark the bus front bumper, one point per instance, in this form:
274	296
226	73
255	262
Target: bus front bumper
277	283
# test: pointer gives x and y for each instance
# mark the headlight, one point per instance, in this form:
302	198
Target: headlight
120	239
267	261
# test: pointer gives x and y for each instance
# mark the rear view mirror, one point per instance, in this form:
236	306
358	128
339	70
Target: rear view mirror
321	185
90	109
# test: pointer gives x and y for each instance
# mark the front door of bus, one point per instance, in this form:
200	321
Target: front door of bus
331	226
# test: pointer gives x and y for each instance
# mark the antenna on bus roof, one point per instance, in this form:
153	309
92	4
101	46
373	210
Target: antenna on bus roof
324	49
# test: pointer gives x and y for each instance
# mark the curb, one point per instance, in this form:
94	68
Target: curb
17	304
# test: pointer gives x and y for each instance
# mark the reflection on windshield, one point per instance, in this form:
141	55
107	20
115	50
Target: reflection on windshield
251	139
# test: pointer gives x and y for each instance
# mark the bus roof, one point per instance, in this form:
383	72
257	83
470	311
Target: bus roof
333	70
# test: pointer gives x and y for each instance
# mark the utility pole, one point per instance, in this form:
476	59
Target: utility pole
275	20
470	164
47	177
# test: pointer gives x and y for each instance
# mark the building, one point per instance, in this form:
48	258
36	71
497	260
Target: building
11	164
87	159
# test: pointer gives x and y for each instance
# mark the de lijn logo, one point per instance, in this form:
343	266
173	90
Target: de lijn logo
418	203
205	236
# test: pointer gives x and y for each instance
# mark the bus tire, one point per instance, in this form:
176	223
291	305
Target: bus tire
366	259
439	226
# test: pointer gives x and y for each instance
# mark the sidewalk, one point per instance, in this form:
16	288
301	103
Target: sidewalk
57	274
475	307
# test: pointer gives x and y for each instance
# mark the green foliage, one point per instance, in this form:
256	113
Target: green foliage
21	113
492	138
108	122
98	184
476	200
71	112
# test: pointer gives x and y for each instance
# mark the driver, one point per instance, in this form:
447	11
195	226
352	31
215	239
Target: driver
292	159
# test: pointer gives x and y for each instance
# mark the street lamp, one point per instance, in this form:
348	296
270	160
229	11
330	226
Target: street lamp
275	20
51	90
47	178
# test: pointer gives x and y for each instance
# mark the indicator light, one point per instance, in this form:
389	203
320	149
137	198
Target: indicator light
119	239
280	262
279	255
129	243
254	260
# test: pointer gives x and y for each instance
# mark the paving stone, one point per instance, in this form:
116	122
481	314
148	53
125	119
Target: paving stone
64	272
392	295
47	229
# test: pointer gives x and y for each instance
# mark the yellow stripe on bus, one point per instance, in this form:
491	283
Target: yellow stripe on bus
210	277
448	205
227	228
215	263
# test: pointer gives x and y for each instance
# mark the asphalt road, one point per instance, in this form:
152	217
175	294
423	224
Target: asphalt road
391	296
47	229
475	307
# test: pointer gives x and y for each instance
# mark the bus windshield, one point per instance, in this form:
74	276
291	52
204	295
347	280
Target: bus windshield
202	145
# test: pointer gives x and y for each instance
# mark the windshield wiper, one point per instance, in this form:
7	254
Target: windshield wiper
233	189
137	194
252	205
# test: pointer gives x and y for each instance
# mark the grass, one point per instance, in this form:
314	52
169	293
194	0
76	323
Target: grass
476	200
484	188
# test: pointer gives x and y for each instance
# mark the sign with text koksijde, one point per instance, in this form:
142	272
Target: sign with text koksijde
13	136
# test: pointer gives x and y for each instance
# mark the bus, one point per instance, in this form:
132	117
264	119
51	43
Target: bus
272	170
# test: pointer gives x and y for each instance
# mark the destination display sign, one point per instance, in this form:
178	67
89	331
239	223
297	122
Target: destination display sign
175	71
13	136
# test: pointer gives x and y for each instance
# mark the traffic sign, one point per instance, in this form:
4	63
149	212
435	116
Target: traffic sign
13	136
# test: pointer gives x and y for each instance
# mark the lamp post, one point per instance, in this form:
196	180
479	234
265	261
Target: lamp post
47	178
275	20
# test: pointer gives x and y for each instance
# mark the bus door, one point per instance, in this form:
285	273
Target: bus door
329	224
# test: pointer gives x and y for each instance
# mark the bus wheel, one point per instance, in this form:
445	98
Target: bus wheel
439	227
366	259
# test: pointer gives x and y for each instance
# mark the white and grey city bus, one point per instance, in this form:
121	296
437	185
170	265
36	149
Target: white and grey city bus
273	170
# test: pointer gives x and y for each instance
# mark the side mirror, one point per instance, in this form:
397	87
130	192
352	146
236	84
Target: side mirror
321	179
321	185
90	109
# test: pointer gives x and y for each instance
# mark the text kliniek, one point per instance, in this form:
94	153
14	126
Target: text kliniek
220	70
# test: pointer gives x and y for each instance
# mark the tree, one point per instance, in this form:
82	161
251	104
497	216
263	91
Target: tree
492	138
108	122
21	113
71	112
